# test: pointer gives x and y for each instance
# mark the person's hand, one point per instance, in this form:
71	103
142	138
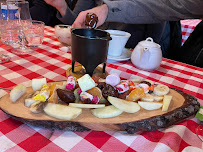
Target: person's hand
60	5
100	11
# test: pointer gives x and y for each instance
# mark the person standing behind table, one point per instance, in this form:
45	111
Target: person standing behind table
67	15
138	32
40	10
143	11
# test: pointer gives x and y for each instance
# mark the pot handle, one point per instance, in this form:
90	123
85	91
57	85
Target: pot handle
149	39
108	38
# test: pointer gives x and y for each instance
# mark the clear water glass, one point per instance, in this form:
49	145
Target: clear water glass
35	34
3	57
19	21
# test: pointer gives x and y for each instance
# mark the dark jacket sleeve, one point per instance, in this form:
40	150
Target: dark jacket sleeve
153	11
71	15
40	10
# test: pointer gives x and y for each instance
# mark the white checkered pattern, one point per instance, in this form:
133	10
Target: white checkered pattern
188	27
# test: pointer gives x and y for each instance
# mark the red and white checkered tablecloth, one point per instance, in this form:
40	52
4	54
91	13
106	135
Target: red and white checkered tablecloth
50	62
187	27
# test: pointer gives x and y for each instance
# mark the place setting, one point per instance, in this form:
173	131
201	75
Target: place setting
117	50
18	30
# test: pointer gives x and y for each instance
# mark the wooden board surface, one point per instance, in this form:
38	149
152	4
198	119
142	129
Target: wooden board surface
79	71
180	103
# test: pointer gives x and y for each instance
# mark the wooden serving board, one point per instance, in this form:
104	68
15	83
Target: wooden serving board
182	106
79	71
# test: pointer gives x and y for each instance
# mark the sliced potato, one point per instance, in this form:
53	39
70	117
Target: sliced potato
150	105
17	92
166	102
106	112
126	106
81	105
62	111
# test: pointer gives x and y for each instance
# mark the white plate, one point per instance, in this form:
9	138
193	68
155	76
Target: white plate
126	54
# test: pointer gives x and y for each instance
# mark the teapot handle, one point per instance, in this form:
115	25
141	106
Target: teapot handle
149	39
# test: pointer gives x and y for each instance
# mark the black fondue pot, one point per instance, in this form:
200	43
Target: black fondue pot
89	48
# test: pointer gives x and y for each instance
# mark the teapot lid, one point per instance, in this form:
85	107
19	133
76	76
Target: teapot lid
149	43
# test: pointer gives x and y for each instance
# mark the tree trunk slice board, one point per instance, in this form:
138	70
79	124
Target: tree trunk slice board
80	71
182	106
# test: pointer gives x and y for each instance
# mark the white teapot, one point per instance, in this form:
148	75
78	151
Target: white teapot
147	55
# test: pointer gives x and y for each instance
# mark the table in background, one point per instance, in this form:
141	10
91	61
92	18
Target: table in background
49	61
187	27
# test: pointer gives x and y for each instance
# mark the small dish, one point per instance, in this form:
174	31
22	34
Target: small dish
126	54
63	34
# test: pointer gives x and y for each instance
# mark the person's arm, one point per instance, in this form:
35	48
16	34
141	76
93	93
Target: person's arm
40	10
153	11
60	5
70	15
100	11
143	11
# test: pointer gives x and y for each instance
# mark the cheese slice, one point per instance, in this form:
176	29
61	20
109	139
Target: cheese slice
166	102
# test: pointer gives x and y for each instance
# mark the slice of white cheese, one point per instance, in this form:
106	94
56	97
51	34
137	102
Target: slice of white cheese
86	82
166	102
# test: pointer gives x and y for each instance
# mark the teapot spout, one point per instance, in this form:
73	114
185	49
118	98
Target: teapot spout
142	51
146	49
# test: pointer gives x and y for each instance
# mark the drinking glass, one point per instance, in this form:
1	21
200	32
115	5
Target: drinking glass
35	33
20	21
3	57
199	131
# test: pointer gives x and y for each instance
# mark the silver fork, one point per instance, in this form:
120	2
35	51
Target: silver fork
5	89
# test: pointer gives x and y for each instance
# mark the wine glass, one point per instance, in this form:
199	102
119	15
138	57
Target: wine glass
19	20
3	57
